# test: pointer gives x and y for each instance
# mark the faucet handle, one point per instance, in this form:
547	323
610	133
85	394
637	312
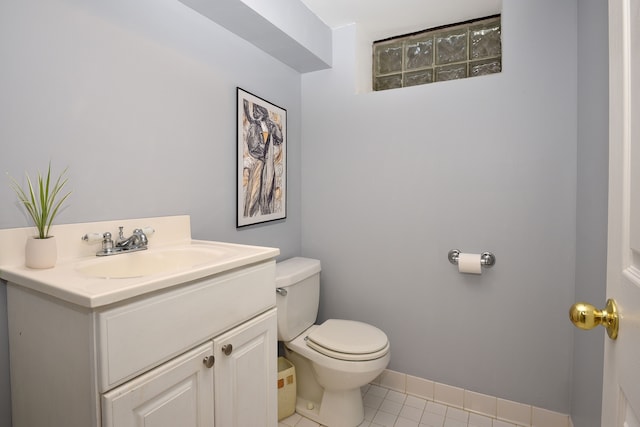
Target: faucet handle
148	230
107	243
105	238
141	235
92	237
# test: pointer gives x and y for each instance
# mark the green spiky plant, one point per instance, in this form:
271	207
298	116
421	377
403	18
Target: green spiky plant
44	200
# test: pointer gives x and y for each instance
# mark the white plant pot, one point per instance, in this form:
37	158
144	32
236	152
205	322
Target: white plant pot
41	253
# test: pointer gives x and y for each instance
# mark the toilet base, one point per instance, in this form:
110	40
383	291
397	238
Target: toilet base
329	390
341	408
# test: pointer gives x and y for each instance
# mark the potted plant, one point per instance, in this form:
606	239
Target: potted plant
42	202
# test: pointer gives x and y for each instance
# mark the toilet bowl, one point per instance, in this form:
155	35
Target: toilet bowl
334	359
329	390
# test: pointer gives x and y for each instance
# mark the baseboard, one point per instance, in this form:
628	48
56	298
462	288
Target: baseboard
500	409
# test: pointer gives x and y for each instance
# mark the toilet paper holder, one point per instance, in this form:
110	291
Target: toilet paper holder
487	259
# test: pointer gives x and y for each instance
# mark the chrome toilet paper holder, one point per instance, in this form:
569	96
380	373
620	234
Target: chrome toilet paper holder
487	259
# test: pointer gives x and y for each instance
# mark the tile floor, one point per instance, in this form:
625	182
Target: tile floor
389	408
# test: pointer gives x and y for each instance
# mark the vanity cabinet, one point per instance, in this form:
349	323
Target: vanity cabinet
178	393
237	365
202	353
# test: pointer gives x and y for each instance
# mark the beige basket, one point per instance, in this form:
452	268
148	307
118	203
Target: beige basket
286	388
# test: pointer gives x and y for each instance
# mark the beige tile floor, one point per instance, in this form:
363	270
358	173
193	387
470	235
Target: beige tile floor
390	408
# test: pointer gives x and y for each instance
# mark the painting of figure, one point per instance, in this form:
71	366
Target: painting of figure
262	133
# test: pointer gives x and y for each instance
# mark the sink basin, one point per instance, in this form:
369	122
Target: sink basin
146	263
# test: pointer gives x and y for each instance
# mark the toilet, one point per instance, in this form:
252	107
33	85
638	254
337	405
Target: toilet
333	360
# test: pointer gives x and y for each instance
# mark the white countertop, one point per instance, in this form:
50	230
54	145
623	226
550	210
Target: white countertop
65	282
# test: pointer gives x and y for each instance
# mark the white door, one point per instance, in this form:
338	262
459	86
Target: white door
621	388
178	393
246	374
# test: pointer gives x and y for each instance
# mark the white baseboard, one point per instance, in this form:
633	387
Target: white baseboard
490	406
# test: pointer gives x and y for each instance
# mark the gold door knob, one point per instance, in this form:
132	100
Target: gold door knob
586	316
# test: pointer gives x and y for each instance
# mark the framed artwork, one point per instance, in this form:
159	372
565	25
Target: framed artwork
262	160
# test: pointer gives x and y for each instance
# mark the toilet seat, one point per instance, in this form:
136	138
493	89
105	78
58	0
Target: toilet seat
348	340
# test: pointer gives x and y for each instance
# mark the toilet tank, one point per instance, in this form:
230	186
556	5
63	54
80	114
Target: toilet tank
298	309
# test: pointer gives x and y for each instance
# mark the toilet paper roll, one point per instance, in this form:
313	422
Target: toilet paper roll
469	263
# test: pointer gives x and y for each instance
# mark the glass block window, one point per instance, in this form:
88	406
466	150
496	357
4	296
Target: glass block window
468	49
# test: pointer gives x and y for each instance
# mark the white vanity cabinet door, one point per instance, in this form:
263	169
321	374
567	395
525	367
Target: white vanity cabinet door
178	393
246	374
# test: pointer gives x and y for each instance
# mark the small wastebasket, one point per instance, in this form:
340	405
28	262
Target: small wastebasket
286	388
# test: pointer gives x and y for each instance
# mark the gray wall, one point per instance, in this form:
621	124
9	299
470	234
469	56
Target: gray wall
138	99
392	180
591	210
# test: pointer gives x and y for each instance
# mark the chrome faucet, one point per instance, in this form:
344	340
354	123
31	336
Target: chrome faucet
136	242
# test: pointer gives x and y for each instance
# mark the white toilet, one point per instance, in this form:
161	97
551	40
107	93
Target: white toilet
332	360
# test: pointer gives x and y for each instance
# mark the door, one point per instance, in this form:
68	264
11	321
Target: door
178	393
621	383
246	374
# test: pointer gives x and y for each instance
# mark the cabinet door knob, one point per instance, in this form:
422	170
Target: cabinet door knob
227	349
209	361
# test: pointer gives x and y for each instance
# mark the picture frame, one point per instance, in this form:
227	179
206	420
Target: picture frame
261	160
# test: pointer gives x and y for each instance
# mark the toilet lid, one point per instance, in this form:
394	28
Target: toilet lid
348	340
